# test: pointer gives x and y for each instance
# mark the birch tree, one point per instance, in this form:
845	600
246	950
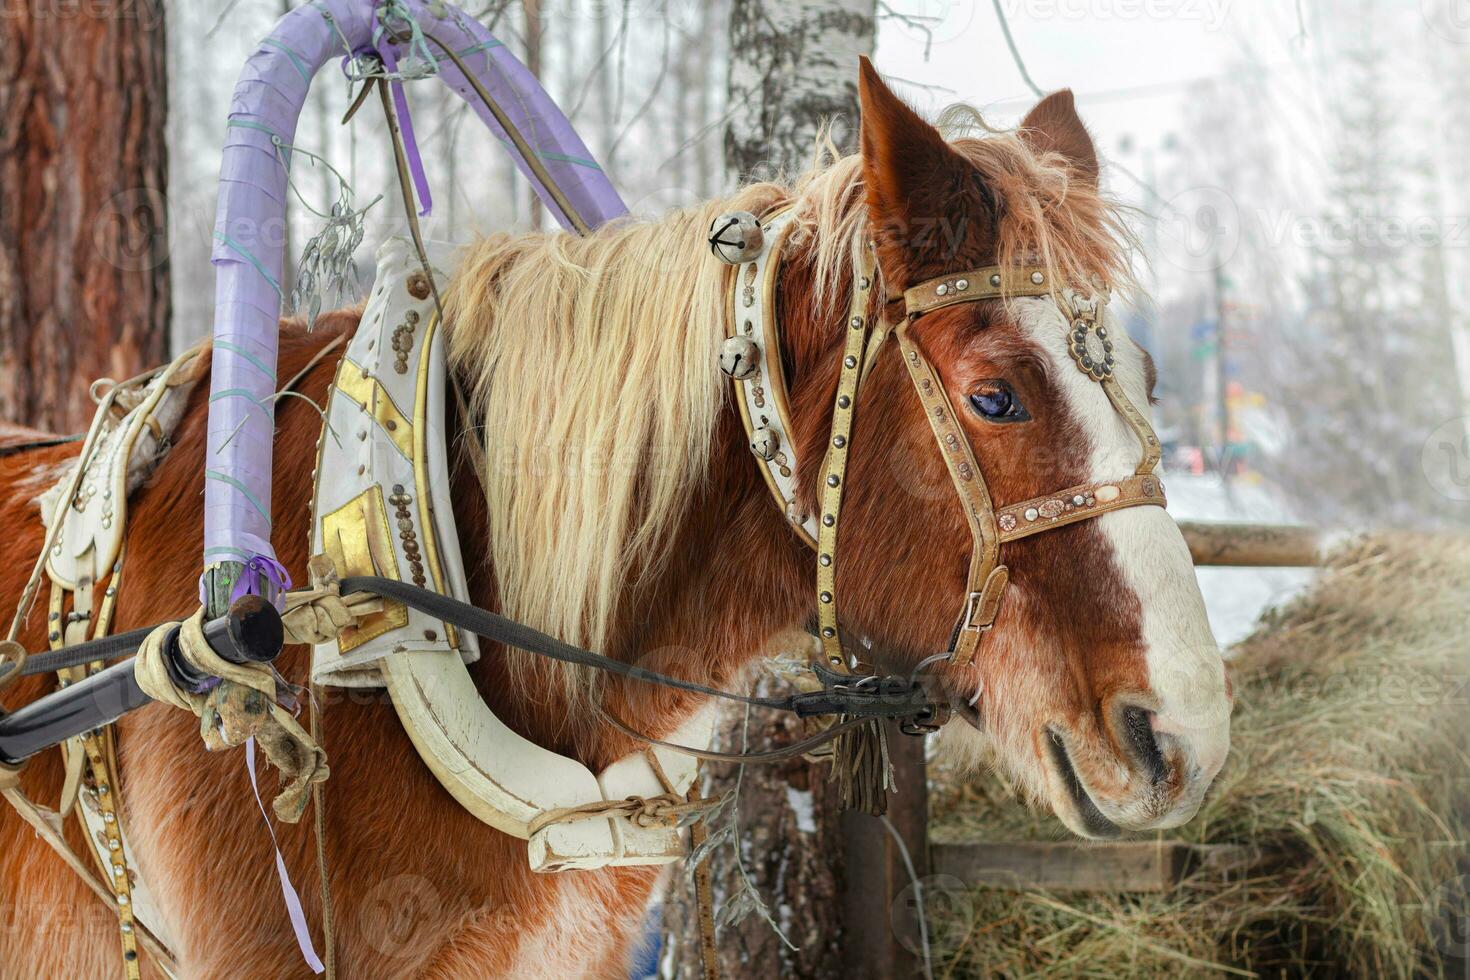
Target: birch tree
792	68
779	884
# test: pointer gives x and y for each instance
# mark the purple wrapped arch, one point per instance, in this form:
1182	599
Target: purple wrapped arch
249	229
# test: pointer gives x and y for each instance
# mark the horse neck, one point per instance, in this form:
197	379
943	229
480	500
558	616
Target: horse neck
735	576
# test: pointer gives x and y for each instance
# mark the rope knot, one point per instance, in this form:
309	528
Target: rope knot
320	613
242	705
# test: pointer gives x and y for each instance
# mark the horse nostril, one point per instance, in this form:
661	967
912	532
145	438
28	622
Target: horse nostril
1138	734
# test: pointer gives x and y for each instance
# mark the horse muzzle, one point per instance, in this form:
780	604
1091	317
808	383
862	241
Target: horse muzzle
1142	773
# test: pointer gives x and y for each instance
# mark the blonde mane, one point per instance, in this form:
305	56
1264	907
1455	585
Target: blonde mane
589	365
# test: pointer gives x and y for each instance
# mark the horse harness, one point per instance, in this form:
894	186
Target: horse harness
752	357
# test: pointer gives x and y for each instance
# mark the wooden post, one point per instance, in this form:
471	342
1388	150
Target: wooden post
880	936
1254	545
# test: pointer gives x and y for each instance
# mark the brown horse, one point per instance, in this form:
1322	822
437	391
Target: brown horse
1099	690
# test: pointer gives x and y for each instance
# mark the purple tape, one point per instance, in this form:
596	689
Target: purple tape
294	911
250	225
259	572
410	144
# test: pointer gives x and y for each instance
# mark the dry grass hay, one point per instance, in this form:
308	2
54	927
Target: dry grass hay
1348	770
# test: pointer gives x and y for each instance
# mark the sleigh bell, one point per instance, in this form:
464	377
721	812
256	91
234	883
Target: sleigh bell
736	237
764	442
739	357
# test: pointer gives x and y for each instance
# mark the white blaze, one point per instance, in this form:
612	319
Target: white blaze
1185	669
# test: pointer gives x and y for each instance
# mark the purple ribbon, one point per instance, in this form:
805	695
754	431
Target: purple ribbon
405	125
288	890
257	571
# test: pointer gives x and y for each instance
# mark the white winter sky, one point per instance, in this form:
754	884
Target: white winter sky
1129	62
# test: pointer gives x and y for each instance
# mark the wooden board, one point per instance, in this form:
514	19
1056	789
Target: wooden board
1080	866
1253	545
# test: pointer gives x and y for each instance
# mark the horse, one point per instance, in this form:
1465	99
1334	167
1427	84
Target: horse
605	493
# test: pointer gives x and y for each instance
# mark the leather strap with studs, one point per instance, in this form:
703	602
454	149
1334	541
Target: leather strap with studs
973	285
1079	503
834	471
987	578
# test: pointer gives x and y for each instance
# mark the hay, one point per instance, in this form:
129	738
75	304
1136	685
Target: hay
1351	744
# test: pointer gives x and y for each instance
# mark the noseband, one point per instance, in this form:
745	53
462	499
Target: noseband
752	356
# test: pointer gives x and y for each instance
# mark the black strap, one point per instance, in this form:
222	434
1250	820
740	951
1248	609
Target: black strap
860	697
863	697
107	648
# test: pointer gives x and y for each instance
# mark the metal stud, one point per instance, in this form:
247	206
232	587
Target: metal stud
962	285
833	480
941	289
828	632
843	401
828	520
995	279
849	361
826	597
1031	514
839	441
856	322
1037	278
825	560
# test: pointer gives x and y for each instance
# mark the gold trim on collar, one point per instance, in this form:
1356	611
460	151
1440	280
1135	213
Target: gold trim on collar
356	383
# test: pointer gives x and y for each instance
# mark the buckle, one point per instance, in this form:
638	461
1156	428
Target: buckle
926	722
968	623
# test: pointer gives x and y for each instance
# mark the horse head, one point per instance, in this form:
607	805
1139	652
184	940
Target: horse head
1098	688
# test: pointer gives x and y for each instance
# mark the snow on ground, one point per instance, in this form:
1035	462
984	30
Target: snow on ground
1235	597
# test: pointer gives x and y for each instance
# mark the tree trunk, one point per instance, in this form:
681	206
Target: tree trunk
793	67
83	234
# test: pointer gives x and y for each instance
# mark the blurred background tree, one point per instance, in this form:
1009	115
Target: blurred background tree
84	271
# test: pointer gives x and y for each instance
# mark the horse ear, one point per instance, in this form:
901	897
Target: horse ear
915	184
1053	126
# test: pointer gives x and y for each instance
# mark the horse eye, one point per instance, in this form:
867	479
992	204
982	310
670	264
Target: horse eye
995	401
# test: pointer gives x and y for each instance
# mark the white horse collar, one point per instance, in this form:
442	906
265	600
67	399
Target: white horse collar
752	356
382	508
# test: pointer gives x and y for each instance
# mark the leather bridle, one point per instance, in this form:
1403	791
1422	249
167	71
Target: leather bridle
752	356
